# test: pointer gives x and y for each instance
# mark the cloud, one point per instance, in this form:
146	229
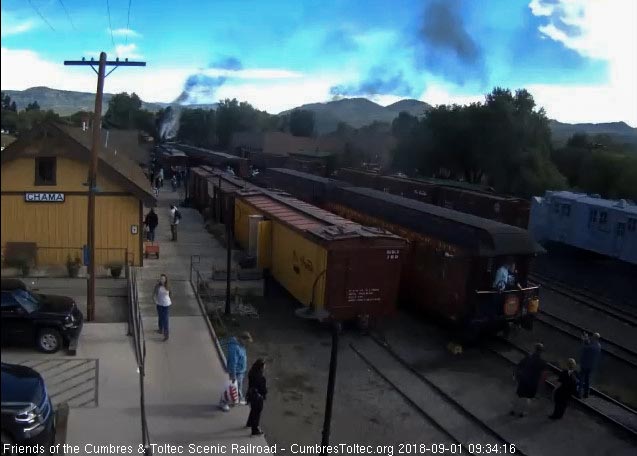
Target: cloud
15	25
598	30
129	51
124	32
445	45
227	63
377	82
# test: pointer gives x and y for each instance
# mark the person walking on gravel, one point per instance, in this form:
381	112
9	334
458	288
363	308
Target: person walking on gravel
529	374
161	297
589	359
567	388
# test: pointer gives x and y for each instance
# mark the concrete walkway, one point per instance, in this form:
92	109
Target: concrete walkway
184	376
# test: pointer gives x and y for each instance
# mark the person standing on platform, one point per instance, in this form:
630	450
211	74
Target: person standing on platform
175	217
151	222
238	361
161	297
257	391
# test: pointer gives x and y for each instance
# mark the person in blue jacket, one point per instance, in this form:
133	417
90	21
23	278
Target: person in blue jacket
238	361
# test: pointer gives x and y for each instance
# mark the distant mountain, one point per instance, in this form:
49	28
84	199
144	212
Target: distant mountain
66	102
358	112
619	131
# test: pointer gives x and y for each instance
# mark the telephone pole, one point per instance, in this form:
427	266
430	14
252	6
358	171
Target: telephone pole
92	173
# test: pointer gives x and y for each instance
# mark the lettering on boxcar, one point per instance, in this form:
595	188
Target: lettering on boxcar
363	295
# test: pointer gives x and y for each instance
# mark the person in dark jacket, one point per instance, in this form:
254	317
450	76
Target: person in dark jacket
566	388
528	375
257	391
151	221
589	359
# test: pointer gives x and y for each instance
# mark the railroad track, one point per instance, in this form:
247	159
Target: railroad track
575	331
443	411
608	408
587	298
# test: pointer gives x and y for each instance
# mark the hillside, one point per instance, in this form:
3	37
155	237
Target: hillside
358	112
66	102
619	131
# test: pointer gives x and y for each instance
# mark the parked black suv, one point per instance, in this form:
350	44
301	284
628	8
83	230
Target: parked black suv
28	417
48	321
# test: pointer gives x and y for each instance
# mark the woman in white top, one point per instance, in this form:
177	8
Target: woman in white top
161	297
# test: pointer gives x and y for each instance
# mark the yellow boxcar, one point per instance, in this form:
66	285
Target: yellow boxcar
325	262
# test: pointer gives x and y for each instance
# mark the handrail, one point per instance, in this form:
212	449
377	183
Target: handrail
514	290
197	287
136	329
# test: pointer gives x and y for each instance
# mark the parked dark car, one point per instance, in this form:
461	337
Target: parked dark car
48	321
28	417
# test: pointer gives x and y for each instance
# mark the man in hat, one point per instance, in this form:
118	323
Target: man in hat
238	361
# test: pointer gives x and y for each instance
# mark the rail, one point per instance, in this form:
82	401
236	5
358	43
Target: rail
595	392
136	330
202	294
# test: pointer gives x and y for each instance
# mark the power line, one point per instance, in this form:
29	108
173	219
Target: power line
128	21
68	15
41	15
108	8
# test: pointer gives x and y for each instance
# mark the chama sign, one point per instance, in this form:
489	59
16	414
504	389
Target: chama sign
44	197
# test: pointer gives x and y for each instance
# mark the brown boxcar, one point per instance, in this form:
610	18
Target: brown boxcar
222	189
328	263
450	269
505	209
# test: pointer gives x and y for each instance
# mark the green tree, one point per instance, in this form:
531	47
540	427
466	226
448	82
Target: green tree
197	127
33	106
504	141
302	122
123	110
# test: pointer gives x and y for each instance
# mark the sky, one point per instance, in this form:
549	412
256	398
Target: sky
578	58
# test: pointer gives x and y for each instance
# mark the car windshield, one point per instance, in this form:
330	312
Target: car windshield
28	301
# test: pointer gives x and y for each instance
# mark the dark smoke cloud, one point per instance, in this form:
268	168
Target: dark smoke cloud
227	63
200	88
376	83
446	46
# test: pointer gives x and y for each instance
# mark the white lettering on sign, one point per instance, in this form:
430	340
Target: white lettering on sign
363	295
44	197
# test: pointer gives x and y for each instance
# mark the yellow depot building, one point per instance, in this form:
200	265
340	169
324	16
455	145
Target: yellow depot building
45	198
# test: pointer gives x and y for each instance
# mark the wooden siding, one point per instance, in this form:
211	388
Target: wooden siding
59	229
19	176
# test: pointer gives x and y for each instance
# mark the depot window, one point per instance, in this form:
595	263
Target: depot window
632	224
603	217
592	216
45	168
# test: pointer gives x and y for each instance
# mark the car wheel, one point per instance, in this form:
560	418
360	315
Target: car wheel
6	440
49	340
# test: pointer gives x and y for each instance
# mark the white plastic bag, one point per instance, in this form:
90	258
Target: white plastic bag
230	394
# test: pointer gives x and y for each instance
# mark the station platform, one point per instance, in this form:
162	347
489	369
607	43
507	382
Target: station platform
184	375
